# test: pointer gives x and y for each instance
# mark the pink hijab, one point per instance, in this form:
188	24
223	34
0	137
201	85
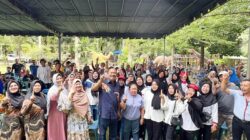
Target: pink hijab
80	100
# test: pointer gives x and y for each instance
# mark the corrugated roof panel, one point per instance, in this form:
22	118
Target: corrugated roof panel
124	18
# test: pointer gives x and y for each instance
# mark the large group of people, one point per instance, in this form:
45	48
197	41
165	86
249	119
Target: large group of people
146	101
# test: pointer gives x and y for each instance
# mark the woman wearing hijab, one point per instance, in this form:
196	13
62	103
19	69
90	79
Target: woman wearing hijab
191	117
175	108
69	81
79	113
162	80
154	104
140	88
175	78
56	119
34	108
12	128
149	80
63	103
140	84
210	109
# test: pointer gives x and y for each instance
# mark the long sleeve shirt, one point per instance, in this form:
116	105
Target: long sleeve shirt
43	73
150	112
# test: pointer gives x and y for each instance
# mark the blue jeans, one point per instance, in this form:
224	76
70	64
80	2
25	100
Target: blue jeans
94	112
121	128
104	124
131	126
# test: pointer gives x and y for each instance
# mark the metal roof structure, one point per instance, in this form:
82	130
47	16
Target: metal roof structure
100	18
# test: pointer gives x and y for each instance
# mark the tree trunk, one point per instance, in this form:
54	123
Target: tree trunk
202	57
77	53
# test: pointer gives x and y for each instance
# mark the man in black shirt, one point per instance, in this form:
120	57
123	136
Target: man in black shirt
17	68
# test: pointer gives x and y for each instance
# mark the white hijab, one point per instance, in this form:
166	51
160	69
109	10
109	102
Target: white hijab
52	91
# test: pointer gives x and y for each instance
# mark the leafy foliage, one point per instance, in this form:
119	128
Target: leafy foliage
219	30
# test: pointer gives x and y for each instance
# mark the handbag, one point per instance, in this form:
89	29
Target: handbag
205	116
175	120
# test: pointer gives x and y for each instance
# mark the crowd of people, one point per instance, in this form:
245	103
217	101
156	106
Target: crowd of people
146	101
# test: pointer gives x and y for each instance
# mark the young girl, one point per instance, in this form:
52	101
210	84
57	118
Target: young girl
191	118
210	109
154	104
175	108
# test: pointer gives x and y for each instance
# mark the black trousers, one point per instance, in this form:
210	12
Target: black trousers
142	132
189	135
169	132
205	133
239	127
154	129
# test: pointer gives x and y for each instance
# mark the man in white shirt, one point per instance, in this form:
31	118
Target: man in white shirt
43	73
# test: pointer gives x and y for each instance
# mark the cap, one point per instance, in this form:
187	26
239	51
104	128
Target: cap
193	86
121	77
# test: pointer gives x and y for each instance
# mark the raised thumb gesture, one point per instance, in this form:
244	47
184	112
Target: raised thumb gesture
32	97
161	94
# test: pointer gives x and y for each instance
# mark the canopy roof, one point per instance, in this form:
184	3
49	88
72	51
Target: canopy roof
100	18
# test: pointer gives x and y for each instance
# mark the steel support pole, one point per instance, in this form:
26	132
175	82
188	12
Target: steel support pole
248	60
60	47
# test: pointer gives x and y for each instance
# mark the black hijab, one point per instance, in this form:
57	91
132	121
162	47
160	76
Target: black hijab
163	83
40	99
148	83
207	99
161	78
17	98
178	77
140	87
156	101
172	97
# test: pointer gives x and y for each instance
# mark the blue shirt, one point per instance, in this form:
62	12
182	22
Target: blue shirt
88	84
133	106
1	86
108	101
33	70
241	105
